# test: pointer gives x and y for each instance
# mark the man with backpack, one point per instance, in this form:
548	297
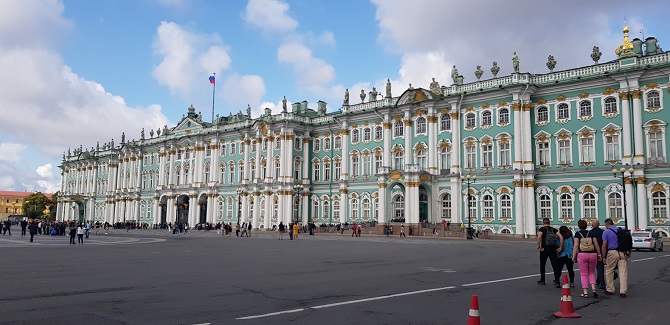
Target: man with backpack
549	243
617	244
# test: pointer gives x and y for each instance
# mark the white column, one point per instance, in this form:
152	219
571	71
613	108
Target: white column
382	201
626	132
344	204
642	214
630	203
306	163
267	220
409	151
259	143
171	152
387	145
528	143
432	146
155	210
344	175
456	141
193	208
304	208
247	170
171	209
519	209
530	208
161	168
456	200
214	168
257	209
637	128
518	138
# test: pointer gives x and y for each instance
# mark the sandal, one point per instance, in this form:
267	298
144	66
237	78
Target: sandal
595	294
584	295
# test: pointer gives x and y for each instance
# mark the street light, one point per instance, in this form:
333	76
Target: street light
623	177
239	203
469	179
298	188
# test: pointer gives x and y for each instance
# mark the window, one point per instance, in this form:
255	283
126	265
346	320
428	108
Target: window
563	111
265	144
614	202
297	167
656	145
487	203
421	125
223	150
545	206
487	155
472	204
659	206
317	144
355	136
445	122
232	148
378	163
376	207
610	105
542	114
653	99
326	171
241	172
317	171
367	134
297	144
231	173
470	120
471	157
589	206
354	165
206	174
277	169
336	211
585	109
378	132
505	206
367	164
566	206
277	143
503	116
178	154
326	144
398	209
326	210
398	159
505	153
398	129
612	147
446	207
445	158
486	118
421	159
587	150
222	176
354	209
254	145
564	152
338	143
338	170
366	209
264	169
543	155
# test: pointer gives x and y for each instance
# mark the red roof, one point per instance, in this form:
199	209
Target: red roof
13	194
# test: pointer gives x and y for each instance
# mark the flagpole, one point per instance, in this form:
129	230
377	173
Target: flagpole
213	92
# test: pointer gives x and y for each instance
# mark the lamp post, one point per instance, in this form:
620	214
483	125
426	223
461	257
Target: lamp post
469	179
298	188
623	177
239	203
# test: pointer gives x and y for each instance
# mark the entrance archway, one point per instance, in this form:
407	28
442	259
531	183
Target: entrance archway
397	195
424	212
202	203
163	212
182	208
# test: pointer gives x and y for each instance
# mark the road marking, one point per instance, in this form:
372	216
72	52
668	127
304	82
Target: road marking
382	297
500	280
272	314
644	259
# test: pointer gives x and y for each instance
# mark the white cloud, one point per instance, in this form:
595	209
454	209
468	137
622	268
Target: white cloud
240	91
418	69
276	108
310	71
45	170
269	16
11	152
188	58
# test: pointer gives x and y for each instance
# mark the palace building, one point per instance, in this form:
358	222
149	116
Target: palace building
540	145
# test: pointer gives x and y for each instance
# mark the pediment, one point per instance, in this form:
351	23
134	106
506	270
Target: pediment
417	95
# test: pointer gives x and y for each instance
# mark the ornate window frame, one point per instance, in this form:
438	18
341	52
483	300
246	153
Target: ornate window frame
502	192
585	104
656	126
503	120
486	119
562	112
539	111
545	138
607	103
611	130
421	126
661	217
584	191
610	189
586	133
445	118
657	105
565	196
470	121
564	135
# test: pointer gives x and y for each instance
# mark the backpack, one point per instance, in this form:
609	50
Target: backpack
584	244
551	238
625	240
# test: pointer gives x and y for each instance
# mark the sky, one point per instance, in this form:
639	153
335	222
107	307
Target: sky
77	73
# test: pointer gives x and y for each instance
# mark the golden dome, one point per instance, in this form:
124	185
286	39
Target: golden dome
625	29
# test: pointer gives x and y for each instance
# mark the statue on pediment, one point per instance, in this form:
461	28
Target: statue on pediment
142	134
248	111
373	95
346	97
388	88
495	69
515	62
479	72
151	133
551	63
435	87
283	104
362	96
596	54
123	137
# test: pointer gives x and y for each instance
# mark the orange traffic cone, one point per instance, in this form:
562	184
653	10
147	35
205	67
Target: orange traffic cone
567	309
473	316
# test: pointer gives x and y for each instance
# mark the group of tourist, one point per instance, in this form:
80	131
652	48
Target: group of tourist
596	251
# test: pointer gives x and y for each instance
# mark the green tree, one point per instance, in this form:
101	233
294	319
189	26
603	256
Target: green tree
34	205
52	208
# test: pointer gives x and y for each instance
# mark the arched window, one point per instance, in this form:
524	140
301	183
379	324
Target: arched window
566	206
503	116
253	146
659	206
265	144
398	209
277	143
421	125
445	122
545	206
486	118
398	159
317	171
487	154
336	211
487	203
542	114
338	143
355	136
398	129
505	206
446	207
563	111
367	164
354	209
589	206
610	105
653	99
326	211
317	145
326	144
365	206
421	158
470	120
379	131
615	206
315	210
445	158
355	166
367	134
585	109
297	144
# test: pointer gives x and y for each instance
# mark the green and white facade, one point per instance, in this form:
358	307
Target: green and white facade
540	145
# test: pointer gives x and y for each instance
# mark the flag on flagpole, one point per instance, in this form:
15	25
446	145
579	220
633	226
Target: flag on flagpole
212	80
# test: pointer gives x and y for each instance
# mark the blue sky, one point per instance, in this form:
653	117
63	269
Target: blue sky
79	72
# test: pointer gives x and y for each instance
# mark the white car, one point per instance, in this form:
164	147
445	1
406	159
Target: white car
647	239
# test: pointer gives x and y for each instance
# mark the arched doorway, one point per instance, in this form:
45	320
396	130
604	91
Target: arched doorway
424	212
202	203
397	195
182	208
163	205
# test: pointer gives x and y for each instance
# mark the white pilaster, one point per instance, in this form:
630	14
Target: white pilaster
637	128
642	214
626	132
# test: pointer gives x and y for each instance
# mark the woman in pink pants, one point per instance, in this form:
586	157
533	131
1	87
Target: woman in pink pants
586	253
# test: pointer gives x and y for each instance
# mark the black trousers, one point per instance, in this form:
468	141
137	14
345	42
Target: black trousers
23	231
600	277
549	253
72	239
566	261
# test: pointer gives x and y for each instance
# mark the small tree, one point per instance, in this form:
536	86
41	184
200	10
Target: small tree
35	204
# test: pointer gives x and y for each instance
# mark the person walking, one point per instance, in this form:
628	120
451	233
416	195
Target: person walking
359	230
600	267
296	230
244	230
88	228
564	258
586	253
80	234
613	258
73	234
282	228
549	243
24	225
249	230
402	231
237	229
8	228
33	230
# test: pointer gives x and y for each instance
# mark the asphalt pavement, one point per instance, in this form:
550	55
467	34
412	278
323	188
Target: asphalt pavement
153	277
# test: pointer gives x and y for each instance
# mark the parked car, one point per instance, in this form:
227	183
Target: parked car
647	239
